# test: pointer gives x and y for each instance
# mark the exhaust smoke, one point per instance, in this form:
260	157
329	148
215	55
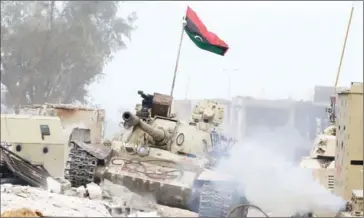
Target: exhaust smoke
269	176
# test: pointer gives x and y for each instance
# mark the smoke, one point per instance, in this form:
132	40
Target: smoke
268	175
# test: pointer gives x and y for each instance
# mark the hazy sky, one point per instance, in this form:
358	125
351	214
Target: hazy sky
279	49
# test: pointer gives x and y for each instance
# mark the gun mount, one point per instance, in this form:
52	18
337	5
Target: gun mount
153	105
146	106
158	134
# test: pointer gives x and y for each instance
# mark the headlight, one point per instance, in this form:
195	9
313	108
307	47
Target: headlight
143	150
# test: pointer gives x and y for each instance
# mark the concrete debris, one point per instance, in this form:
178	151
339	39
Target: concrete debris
122	201
144	214
94	191
50	204
58	185
174	212
125	199
79	192
106	200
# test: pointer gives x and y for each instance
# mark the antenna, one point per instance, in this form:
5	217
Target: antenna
344	46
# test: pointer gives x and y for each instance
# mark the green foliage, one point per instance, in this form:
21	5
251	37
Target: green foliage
51	51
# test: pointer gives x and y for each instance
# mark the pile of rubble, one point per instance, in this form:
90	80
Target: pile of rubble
104	200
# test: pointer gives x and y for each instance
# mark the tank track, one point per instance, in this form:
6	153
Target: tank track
215	201
80	166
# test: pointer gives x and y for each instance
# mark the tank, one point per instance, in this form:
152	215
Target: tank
321	159
160	155
322	156
208	115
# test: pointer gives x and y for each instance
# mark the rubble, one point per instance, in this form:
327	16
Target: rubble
49	204
174	212
106	200
58	185
144	214
94	191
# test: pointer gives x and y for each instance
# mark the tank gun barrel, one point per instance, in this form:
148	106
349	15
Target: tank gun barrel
157	134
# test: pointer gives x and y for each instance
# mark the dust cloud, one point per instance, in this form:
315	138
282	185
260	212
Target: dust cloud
267	172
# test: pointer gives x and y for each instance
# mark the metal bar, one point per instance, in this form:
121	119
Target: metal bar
177	60
344	47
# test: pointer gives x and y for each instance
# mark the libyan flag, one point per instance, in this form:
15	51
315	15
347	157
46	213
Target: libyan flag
199	34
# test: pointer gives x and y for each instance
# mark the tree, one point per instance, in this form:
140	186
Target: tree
51	51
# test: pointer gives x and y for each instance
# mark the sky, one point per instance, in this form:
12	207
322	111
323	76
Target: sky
277	50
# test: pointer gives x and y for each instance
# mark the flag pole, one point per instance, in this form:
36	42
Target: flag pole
177	60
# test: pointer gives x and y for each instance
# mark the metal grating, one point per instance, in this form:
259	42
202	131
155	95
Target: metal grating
331	182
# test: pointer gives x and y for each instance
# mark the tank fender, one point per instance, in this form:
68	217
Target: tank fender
98	151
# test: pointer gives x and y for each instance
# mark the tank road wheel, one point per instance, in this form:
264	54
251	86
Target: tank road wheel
80	166
216	201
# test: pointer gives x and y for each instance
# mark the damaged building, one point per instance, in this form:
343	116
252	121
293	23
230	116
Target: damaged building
307	117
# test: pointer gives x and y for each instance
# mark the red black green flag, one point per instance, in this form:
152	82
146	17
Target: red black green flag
203	38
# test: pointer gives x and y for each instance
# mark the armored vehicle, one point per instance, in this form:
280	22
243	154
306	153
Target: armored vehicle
159	155
71	117
322	158
207	115
32	149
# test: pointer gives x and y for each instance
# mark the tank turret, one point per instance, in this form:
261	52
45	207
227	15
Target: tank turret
207	114
158	134
324	145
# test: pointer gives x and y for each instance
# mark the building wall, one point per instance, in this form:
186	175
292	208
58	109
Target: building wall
306	117
349	144
3	94
253	113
